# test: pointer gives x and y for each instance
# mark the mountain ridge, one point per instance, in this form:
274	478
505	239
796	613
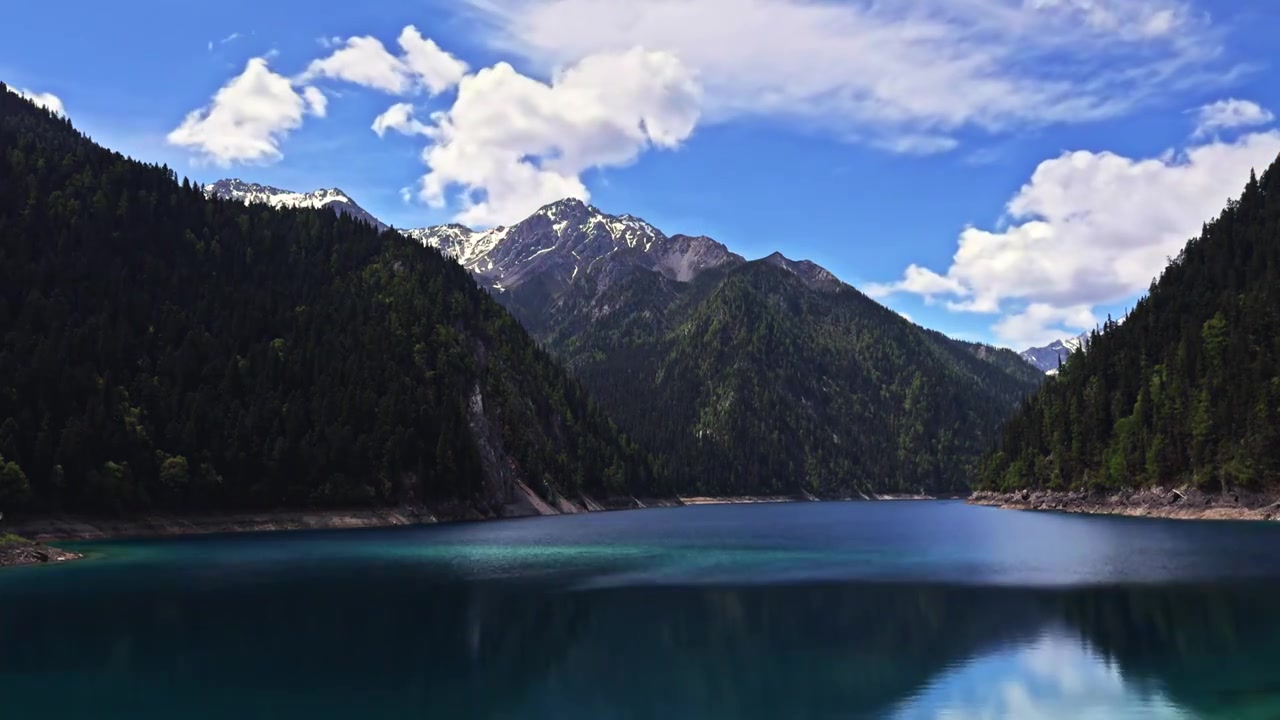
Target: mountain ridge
568	237
766	376
563	238
332	198
749	379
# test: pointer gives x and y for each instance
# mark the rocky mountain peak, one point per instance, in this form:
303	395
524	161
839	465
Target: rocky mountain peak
333	198
813	274
569	238
1047	358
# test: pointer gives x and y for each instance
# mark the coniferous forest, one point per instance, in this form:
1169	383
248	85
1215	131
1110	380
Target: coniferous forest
749	381
159	350
163	351
1186	389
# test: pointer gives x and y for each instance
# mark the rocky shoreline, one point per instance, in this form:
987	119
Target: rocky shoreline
1183	503
41	529
525	504
15	550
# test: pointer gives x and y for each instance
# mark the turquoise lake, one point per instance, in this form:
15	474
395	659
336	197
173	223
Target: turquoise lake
905	610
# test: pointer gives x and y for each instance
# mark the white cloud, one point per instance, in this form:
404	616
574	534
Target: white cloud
48	101
230	38
1088	229
920	281
399	117
918	144
317	103
1230	113
886	72
365	61
1040	324
248	117
511	143
436	69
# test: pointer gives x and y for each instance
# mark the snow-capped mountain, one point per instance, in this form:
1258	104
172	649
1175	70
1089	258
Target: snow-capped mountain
570	238
556	244
1046	358
333	198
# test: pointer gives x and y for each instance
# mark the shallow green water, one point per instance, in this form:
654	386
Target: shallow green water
858	610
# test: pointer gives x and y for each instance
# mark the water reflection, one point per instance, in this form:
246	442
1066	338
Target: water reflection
1055	676
395	641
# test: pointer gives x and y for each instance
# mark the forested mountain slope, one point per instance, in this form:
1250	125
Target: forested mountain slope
771	377
162	350
1185	390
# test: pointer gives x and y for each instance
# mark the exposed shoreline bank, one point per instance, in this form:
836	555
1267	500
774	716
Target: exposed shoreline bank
1172	503
16	551
42	529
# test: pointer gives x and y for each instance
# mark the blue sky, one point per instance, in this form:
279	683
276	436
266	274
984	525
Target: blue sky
1003	170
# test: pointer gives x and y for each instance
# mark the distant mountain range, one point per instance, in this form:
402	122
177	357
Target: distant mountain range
740	377
1047	358
563	239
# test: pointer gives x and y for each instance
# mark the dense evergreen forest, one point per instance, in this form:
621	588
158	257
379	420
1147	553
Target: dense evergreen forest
1185	390
748	380
159	350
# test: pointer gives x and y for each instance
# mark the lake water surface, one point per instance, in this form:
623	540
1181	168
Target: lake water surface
814	610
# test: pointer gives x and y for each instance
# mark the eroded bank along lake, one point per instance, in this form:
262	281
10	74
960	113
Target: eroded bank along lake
809	610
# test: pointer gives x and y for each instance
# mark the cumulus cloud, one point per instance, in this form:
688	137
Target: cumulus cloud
1040	324
365	61
248	117
899	75
48	101
1088	229
436	69
920	281
399	117
1230	113
511	143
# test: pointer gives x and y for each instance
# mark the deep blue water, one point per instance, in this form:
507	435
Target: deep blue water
827	610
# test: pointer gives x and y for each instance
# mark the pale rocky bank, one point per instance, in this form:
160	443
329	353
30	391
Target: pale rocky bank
16	550
53	528
1184	503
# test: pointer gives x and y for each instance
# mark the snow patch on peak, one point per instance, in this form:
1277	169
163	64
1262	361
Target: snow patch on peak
250	193
570	238
1047	358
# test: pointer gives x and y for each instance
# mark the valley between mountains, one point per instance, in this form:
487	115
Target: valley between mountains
234	354
764	377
